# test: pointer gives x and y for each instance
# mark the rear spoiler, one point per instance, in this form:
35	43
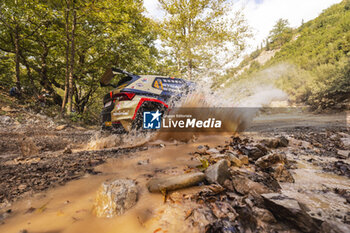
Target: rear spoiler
110	73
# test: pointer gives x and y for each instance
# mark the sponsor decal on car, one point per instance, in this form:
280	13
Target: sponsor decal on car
122	113
108	104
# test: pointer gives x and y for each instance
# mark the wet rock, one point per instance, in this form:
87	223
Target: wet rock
5	120
334	227
271	143
346	142
343	154
263	178
254	152
245	186
60	127
22	186
264	215
222	226
5	214
67	150
217	157
218	172
175	182
246	218
283	141
281	174
212	151
143	162
343	193
244	159
291	212
235	161
202	149
115	197
338	167
276	142
269	160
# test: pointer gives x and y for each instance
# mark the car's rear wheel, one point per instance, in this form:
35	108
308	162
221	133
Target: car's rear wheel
138	121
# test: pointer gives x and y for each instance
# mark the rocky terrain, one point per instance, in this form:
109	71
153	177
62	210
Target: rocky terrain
242	192
295	179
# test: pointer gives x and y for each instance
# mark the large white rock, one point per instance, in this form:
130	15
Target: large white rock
115	197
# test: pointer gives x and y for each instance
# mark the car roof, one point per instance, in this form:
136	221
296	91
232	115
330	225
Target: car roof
155	76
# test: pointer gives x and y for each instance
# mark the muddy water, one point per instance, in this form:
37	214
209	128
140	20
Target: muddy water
68	208
314	188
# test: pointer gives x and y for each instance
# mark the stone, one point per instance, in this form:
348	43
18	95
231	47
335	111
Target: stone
245	186
343	154
22	187
334	227
281	174
291	212
346	142
218	172
143	162
212	151
67	150
235	161
264	215
6	120
269	160
271	143
61	127
244	159
275	142
283	141
254	152
175	182
115	197
202	149
265	179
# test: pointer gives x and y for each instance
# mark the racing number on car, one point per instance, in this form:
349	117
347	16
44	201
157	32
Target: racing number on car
158	84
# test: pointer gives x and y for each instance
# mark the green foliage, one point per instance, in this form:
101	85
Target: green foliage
195	32
331	85
280	34
108	33
319	54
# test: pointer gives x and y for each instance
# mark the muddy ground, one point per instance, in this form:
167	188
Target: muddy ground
39	155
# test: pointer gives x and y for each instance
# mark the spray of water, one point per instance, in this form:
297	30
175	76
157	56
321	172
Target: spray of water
102	140
236	104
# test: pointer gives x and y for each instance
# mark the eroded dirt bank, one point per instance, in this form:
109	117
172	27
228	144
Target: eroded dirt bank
309	165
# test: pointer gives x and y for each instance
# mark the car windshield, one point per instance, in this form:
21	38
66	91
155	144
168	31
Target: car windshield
124	80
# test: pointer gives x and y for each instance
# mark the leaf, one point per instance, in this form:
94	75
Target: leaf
42	208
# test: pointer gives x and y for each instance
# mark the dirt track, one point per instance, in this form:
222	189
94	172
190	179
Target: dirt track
50	157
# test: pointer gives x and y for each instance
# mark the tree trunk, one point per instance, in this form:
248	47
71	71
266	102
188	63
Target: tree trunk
17	53
189	69
67	10
71	70
33	88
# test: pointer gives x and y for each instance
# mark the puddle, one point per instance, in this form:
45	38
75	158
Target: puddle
314	188
67	209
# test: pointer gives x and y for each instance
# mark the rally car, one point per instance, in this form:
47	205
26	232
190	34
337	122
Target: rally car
135	94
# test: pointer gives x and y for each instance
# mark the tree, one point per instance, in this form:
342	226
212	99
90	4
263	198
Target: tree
11	25
280	33
200	35
64	46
